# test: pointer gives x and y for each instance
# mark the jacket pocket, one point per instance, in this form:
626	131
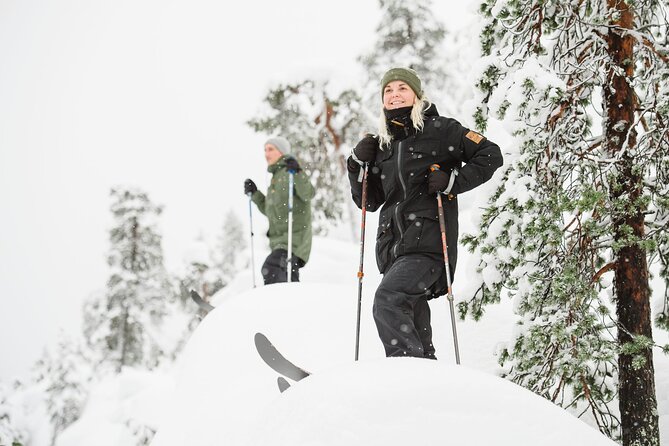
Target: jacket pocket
384	239
422	232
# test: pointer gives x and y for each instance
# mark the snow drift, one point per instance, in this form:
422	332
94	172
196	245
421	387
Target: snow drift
225	394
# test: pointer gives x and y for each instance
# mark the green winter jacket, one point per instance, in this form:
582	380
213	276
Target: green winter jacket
275	206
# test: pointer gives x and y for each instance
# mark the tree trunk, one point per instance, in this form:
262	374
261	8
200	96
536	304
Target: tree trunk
638	404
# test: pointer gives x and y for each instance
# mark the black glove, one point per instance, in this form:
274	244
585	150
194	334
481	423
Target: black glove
365	150
292	165
437	181
249	186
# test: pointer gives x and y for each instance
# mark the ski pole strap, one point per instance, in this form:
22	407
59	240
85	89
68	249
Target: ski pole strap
355	158
361	163
451	180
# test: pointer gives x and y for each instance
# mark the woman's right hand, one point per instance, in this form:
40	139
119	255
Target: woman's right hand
365	151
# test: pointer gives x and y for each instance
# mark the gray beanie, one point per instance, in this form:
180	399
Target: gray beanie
280	143
403	74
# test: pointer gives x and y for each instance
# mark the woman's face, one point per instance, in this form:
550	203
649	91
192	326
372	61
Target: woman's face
272	154
398	94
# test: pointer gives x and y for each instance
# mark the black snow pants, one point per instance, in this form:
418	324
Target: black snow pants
401	309
275	268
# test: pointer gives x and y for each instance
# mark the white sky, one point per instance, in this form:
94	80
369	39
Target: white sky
151	93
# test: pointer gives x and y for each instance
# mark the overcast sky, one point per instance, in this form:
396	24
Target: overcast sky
150	93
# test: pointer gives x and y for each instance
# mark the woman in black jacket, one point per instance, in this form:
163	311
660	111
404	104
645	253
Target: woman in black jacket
412	137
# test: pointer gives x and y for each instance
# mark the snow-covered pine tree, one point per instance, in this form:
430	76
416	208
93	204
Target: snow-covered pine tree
321	126
583	87
10	435
64	373
200	274
229	255
408	35
123	325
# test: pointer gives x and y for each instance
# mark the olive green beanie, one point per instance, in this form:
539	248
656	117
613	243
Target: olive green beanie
403	74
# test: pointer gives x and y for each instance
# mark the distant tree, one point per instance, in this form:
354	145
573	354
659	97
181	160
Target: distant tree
10	435
64	373
200	273
229	255
584	88
123	325
208	269
141	433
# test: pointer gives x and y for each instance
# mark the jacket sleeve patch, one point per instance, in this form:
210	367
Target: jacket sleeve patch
473	136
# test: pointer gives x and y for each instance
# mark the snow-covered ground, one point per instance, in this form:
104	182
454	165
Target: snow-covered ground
221	392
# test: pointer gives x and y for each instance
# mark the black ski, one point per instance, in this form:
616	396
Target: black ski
277	361
204	305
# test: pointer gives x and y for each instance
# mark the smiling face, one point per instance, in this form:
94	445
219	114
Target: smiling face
398	94
272	154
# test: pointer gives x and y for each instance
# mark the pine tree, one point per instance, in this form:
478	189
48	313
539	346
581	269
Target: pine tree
583	87
9	434
64	374
229	256
200	273
123	325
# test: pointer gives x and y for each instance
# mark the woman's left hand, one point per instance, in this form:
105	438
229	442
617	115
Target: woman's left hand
437	181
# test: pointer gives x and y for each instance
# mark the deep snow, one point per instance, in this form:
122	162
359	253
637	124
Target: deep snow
225	393
221	392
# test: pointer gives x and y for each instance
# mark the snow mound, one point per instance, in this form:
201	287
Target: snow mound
225	394
400	401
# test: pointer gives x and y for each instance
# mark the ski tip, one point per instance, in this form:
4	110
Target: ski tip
260	338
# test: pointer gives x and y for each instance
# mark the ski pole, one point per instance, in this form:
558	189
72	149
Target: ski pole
289	262
253	268
444	246
362	257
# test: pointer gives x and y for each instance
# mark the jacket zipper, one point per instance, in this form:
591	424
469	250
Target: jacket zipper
398	220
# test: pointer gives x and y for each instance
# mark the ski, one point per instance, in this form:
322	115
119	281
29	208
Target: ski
204	305
283	384
276	360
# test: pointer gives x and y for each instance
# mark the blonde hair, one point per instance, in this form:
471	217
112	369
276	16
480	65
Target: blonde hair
417	117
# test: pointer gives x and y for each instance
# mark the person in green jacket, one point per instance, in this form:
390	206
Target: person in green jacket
274	205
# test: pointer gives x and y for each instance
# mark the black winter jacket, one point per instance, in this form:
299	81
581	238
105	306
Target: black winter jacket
409	219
